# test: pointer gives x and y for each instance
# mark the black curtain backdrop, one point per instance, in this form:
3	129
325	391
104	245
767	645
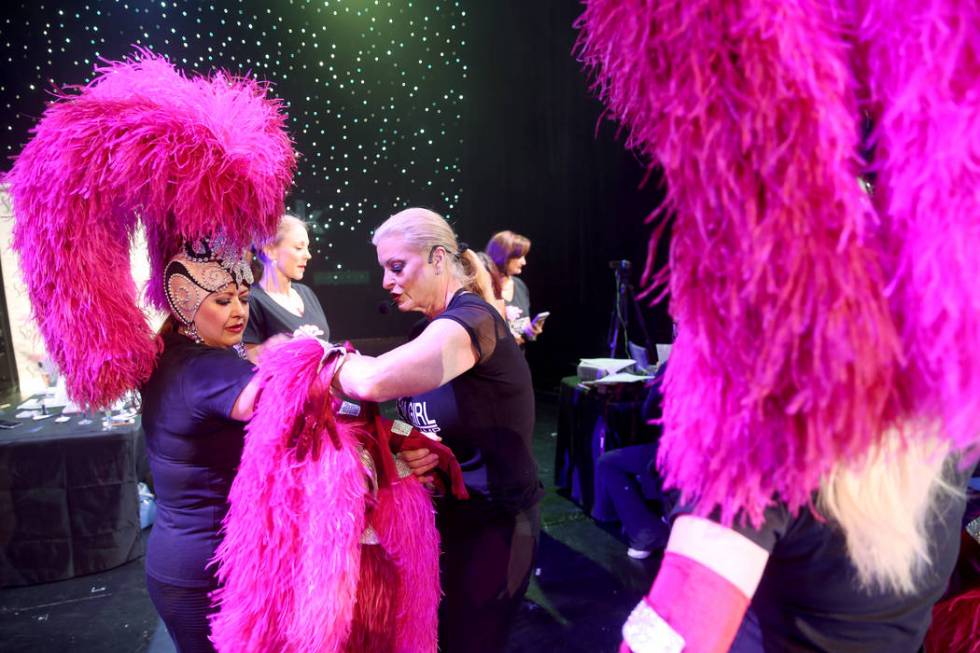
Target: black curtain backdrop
539	161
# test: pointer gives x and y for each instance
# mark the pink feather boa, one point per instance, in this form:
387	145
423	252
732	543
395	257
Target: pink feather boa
923	62
187	157
290	562
787	356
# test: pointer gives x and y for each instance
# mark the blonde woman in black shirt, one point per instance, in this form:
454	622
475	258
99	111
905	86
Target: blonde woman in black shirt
464	380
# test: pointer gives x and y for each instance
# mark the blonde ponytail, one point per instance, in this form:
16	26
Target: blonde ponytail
884	503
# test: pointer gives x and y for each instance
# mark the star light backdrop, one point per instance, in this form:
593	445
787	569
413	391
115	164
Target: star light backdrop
475	108
373	88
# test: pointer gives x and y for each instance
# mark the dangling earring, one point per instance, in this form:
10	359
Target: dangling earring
190	330
241	351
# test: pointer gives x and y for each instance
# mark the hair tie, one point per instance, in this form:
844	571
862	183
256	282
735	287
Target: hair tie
462	248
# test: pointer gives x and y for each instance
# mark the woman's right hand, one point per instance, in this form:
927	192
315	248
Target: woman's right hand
420	461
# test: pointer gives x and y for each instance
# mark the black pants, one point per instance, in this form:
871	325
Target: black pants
184	611
486	568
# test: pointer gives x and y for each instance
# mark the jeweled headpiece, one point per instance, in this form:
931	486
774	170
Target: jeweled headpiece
200	269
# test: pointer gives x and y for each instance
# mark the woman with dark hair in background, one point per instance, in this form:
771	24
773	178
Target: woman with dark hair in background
508	251
279	303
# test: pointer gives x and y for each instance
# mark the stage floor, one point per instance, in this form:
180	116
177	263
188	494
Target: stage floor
584	588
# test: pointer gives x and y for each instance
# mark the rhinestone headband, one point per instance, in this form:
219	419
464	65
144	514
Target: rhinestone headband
202	268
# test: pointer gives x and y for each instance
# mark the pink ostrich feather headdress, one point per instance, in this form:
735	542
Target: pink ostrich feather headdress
812	318
787	356
189	157
923	80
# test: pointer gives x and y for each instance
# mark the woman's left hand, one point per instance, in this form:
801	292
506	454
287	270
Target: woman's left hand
532	330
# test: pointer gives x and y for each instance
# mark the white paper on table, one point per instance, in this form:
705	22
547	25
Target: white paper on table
58	395
621	377
70	408
608	364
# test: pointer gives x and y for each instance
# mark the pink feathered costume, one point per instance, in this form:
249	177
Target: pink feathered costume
314	558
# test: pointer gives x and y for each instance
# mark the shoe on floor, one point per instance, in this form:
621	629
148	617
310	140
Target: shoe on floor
638	554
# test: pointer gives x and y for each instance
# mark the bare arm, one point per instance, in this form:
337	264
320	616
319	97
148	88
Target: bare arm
705	584
438	355
245	404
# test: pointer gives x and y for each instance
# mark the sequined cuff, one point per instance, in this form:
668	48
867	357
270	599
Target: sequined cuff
370	536
402	467
646	632
973	528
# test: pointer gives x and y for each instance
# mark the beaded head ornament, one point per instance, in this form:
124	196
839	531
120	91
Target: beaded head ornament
198	270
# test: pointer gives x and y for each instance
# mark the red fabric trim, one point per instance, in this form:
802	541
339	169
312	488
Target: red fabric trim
704	608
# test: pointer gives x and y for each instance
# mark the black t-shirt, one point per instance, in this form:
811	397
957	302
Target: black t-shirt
485	415
194	449
266	317
809	598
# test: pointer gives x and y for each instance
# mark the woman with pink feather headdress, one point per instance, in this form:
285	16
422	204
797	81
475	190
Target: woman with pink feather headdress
824	390
204	164
318	543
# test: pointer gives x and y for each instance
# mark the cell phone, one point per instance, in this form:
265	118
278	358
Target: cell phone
541	317
8	424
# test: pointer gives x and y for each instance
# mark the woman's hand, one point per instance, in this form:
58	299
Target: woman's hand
420	461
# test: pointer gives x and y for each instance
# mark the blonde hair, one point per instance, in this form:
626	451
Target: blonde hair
424	230
884	503
259	258
287	223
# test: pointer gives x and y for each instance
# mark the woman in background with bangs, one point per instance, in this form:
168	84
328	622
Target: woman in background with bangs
508	251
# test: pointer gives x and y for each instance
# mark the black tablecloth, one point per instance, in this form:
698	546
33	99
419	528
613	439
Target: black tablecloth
589	424
68	499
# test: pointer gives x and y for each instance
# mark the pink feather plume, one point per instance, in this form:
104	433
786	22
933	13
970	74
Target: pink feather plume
187	157
290	557
786	356
404	520
923	70
291	566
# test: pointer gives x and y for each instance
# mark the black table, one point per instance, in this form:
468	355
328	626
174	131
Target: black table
68	498
590	423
